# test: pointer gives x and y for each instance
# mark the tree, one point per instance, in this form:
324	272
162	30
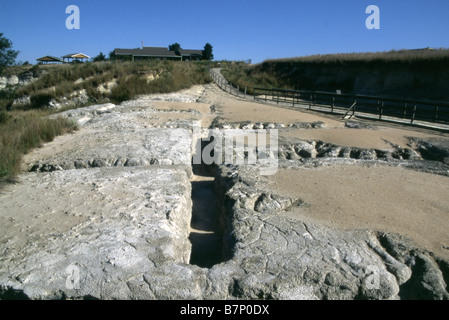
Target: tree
112	55
100	57
174	47
207	52
7	55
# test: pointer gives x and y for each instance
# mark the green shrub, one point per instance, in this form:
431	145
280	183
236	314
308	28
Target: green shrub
120	93
40	100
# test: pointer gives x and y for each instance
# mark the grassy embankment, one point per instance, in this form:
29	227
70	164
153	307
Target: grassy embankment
408	73
26	126
22	131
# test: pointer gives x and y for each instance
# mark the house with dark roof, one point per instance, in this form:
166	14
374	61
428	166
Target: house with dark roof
160	53
191	55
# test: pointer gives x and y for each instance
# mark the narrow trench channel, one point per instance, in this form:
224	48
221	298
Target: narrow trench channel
206	229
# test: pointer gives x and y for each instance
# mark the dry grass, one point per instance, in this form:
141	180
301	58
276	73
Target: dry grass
62	80
27	127
300	72
173	76
394	56
21	131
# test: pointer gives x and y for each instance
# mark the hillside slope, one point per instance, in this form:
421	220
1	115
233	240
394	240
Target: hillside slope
419	74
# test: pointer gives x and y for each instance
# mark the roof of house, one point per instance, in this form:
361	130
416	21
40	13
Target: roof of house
188	52
147	51
157	52
76	56
50	58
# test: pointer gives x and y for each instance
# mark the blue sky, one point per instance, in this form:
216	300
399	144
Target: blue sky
237	30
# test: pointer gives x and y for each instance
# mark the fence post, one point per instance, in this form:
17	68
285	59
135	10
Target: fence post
238	90
381	110
414	114
405	110
245	92
435	118
355	105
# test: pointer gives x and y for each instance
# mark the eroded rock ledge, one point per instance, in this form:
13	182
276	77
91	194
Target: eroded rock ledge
289	259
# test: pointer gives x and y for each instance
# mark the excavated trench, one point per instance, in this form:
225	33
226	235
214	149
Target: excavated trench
207	228
206	233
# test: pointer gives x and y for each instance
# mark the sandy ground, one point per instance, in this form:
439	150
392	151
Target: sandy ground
335	131
410	203
413	204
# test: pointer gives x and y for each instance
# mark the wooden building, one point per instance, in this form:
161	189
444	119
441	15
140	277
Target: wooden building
160	53
191	55
50	59
76	56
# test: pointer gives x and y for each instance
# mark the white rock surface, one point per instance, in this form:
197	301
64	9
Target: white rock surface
115	136
113	219
112	224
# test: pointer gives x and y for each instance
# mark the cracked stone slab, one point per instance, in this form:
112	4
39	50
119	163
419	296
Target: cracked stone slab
115	138
130	134
284	258
98	148
112	225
